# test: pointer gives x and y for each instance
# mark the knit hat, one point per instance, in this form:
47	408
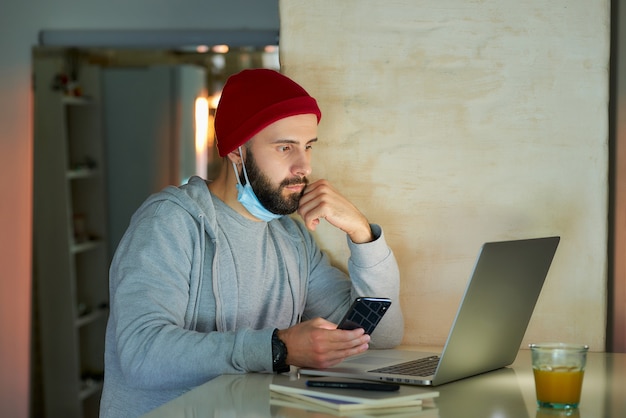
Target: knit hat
253	99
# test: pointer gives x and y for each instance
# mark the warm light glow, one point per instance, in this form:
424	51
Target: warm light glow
220	49
202	130
201	49
214	100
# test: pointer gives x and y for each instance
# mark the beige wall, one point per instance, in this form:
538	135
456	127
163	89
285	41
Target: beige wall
459	122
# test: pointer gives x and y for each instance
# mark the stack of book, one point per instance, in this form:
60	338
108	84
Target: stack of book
361	399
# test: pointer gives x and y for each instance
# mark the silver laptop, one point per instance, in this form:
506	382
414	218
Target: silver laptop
489	326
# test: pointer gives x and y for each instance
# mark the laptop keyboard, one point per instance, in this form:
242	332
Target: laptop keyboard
420	367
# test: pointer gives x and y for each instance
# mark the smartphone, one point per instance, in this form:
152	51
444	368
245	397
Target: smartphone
366	313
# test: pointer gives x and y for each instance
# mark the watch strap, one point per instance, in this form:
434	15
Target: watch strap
279	354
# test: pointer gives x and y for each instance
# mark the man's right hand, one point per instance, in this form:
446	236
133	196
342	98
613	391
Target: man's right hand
318	343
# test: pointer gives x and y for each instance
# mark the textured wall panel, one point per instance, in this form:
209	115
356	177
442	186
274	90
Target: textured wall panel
458	122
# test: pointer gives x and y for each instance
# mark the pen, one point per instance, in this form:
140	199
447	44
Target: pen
382	387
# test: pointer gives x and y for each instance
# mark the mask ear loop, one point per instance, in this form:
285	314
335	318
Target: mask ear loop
243	165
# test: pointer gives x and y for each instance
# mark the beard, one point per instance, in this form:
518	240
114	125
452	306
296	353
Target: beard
272	197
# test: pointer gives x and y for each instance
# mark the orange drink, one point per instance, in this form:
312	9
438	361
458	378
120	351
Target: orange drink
558	386
559	369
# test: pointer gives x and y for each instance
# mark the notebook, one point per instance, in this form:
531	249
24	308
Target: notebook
345	400
489	325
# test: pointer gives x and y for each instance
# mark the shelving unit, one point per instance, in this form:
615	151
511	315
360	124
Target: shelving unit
70	237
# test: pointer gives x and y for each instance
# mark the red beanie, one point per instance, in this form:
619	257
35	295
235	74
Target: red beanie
253	99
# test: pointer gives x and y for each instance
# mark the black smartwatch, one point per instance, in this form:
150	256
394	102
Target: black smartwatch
279	354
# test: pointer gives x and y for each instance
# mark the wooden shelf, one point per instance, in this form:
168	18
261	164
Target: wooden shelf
77	100
70	196
97	314
81	173
89	387
81	247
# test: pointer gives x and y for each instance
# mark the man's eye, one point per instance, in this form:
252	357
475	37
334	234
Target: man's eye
309	146
283	148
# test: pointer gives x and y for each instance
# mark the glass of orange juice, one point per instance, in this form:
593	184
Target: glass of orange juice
559	369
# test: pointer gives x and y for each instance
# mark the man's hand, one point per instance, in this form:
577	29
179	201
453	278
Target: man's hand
318	343
321	201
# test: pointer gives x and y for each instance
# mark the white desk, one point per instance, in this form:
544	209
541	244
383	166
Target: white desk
505	393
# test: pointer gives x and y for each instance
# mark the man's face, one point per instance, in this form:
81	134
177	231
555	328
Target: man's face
272	197
277	161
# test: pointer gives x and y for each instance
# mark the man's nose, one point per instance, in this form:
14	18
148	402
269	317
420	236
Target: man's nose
302	165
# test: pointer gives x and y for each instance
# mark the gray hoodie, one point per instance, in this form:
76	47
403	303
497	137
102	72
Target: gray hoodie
175	319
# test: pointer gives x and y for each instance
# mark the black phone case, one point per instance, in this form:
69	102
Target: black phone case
366	313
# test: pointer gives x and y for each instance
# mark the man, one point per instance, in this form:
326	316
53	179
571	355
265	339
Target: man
212	277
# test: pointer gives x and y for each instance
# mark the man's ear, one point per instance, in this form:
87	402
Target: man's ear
235	156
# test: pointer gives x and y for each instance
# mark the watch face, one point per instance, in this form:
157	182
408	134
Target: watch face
278	351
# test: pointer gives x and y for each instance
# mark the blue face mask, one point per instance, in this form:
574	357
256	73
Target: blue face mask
246	196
